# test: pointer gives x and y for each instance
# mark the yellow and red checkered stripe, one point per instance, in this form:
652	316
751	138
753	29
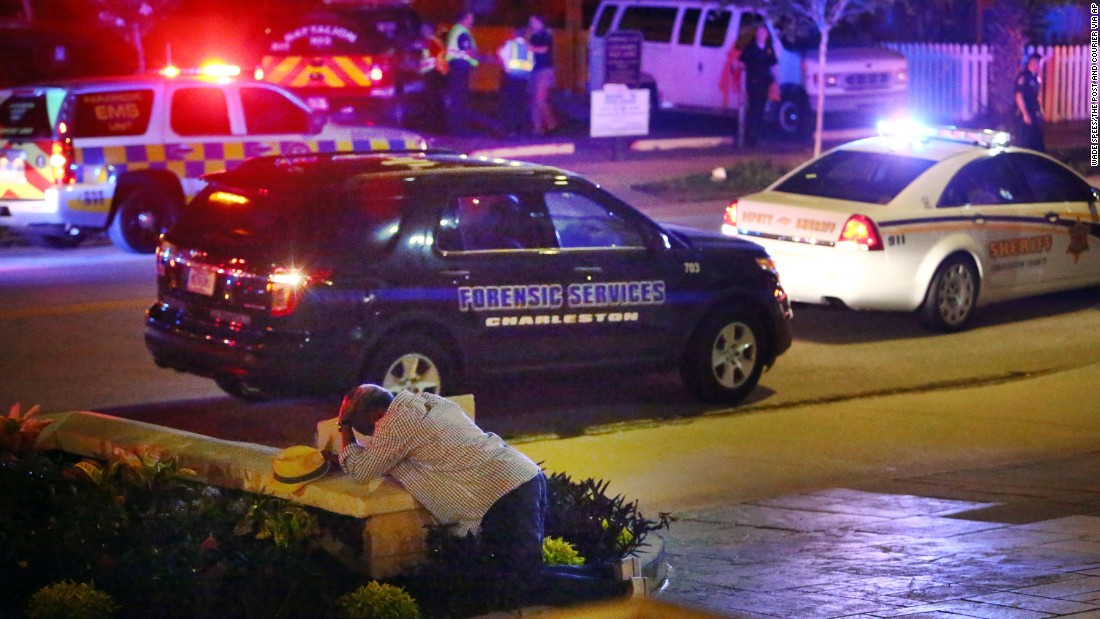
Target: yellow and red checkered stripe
319	71
37	173
193	159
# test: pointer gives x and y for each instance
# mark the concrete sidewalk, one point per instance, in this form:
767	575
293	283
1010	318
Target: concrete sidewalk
874	507
1019	542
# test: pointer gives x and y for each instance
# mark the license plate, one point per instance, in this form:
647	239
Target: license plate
201	281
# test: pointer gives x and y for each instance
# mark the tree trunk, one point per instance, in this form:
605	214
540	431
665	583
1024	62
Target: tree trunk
1004	30
820	106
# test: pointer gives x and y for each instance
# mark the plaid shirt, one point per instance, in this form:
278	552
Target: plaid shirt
453	468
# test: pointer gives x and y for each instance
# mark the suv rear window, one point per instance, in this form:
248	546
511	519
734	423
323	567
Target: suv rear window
349	218
115	113
875	178
25	117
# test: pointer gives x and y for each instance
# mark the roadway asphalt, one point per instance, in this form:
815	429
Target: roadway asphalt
930	517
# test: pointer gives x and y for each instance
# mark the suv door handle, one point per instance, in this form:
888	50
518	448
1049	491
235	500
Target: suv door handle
588	269
454	273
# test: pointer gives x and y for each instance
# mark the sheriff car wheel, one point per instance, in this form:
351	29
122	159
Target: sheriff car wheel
415	363
724	361
951	295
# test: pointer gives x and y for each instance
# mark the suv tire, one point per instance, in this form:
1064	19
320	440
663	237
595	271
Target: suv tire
413	363
144	213
724	358
952	295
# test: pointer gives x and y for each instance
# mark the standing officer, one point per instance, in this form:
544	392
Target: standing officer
758	58
461	60
517	60
1029	114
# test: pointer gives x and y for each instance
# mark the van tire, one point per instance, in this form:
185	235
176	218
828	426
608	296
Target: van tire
793	113
145	211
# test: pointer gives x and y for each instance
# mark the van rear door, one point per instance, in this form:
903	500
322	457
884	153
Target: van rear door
27	142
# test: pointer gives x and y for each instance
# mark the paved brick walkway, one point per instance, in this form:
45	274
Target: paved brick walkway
1019	542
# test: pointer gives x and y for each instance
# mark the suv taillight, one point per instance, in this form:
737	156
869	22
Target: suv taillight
861	233
287	287
61	162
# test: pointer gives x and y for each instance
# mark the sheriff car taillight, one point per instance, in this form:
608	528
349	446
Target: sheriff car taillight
860	233
287	287
729	219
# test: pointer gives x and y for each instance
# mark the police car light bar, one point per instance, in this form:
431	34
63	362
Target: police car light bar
910	130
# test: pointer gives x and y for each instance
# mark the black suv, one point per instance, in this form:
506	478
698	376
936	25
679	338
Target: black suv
417	269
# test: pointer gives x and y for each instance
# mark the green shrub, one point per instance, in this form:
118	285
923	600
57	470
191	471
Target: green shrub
604	529
70	600
140	529
556	551
377	601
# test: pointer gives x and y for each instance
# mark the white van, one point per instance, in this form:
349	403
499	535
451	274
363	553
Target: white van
686	54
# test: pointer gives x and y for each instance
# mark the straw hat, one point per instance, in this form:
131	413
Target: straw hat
294	467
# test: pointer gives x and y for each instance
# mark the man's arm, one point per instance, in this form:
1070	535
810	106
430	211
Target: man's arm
1020	105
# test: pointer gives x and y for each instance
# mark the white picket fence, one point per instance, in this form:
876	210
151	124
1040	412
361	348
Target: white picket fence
951	81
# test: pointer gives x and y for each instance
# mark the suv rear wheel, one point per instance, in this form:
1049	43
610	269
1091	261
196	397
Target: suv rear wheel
724	359
413	363
144	213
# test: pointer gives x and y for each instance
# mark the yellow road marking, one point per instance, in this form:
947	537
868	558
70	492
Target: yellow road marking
78	308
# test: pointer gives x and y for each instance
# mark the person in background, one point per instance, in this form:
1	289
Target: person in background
462	58
517	60
433	70
542	77
1029	112
758	58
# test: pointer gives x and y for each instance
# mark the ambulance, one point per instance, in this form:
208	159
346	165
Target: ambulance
124	154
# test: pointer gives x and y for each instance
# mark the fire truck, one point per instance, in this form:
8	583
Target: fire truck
351	60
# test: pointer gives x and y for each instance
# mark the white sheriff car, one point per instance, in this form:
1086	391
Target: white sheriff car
936	220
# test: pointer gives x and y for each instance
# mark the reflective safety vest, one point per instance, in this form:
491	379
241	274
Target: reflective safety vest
518	58
454	52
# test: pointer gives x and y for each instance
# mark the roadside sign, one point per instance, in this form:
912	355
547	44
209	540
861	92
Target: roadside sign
619	111
623	58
